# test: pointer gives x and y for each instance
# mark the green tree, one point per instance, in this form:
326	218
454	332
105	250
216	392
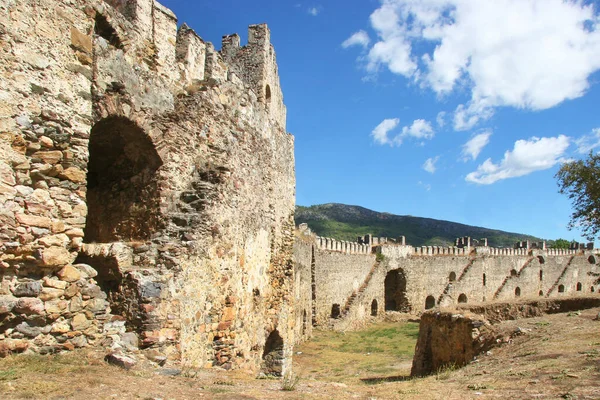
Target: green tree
580	181
560	244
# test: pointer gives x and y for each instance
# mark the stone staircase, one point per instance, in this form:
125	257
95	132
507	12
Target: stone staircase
357	293
563	273
527	263
462	274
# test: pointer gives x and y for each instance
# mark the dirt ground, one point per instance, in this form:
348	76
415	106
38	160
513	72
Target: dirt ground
557	356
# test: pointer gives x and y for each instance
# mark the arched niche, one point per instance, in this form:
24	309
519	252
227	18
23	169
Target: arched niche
429	302
273	355
123	196
452	276
374	307
395	291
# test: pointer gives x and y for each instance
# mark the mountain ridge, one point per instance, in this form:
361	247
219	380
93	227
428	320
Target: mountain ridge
347	222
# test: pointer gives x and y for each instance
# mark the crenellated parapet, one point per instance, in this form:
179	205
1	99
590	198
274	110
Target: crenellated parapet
146	30
342	246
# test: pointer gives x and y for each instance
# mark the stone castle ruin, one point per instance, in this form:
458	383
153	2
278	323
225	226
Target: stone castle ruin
147	188
352	281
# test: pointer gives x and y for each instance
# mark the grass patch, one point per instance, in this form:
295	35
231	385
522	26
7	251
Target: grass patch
382	348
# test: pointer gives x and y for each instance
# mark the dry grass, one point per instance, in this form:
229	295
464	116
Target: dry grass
558	358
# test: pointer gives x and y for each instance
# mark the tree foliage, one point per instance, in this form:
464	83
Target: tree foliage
580	181
560	244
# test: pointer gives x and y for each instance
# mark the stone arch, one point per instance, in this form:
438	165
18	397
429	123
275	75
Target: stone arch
579	286
517	292
462	298
452	276
374	307
592	259
484	280
561	288
513	272
267	94
592	289
123	194
541	293
429	302
395	291
336	311
273	355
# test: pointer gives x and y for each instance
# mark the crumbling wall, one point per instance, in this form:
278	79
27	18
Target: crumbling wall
449	340
144	188
303	287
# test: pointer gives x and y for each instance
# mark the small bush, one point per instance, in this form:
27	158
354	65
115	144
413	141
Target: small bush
289	382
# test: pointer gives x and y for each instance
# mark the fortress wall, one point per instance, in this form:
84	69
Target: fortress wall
429	275
337	276
302	292
132	204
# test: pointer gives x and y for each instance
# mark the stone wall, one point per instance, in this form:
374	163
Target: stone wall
449	340
147	184
353	284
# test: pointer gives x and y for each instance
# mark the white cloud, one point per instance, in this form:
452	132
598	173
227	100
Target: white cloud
380	133
429	165
440	119
314	11
360	38
419	129
473	147
426	186
526	157
587	143
531	54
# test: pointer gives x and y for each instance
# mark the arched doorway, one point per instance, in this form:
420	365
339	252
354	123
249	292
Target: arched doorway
517	292
273	355
374	308
335	311
579	286
395	291
122	187
561	288
462	298
429	302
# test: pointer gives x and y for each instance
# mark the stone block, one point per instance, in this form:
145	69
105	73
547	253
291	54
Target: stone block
29	306
69	274
28	289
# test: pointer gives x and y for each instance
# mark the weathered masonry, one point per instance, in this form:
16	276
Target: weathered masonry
354	280
147	187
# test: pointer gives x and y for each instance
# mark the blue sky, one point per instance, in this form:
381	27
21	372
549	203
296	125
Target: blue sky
461	110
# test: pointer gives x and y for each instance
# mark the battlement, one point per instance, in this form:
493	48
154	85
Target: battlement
184	59
342	246
464	246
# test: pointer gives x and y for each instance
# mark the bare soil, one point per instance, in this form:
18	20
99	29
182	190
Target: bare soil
556	356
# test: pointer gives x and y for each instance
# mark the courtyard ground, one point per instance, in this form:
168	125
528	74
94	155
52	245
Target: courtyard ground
557	356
